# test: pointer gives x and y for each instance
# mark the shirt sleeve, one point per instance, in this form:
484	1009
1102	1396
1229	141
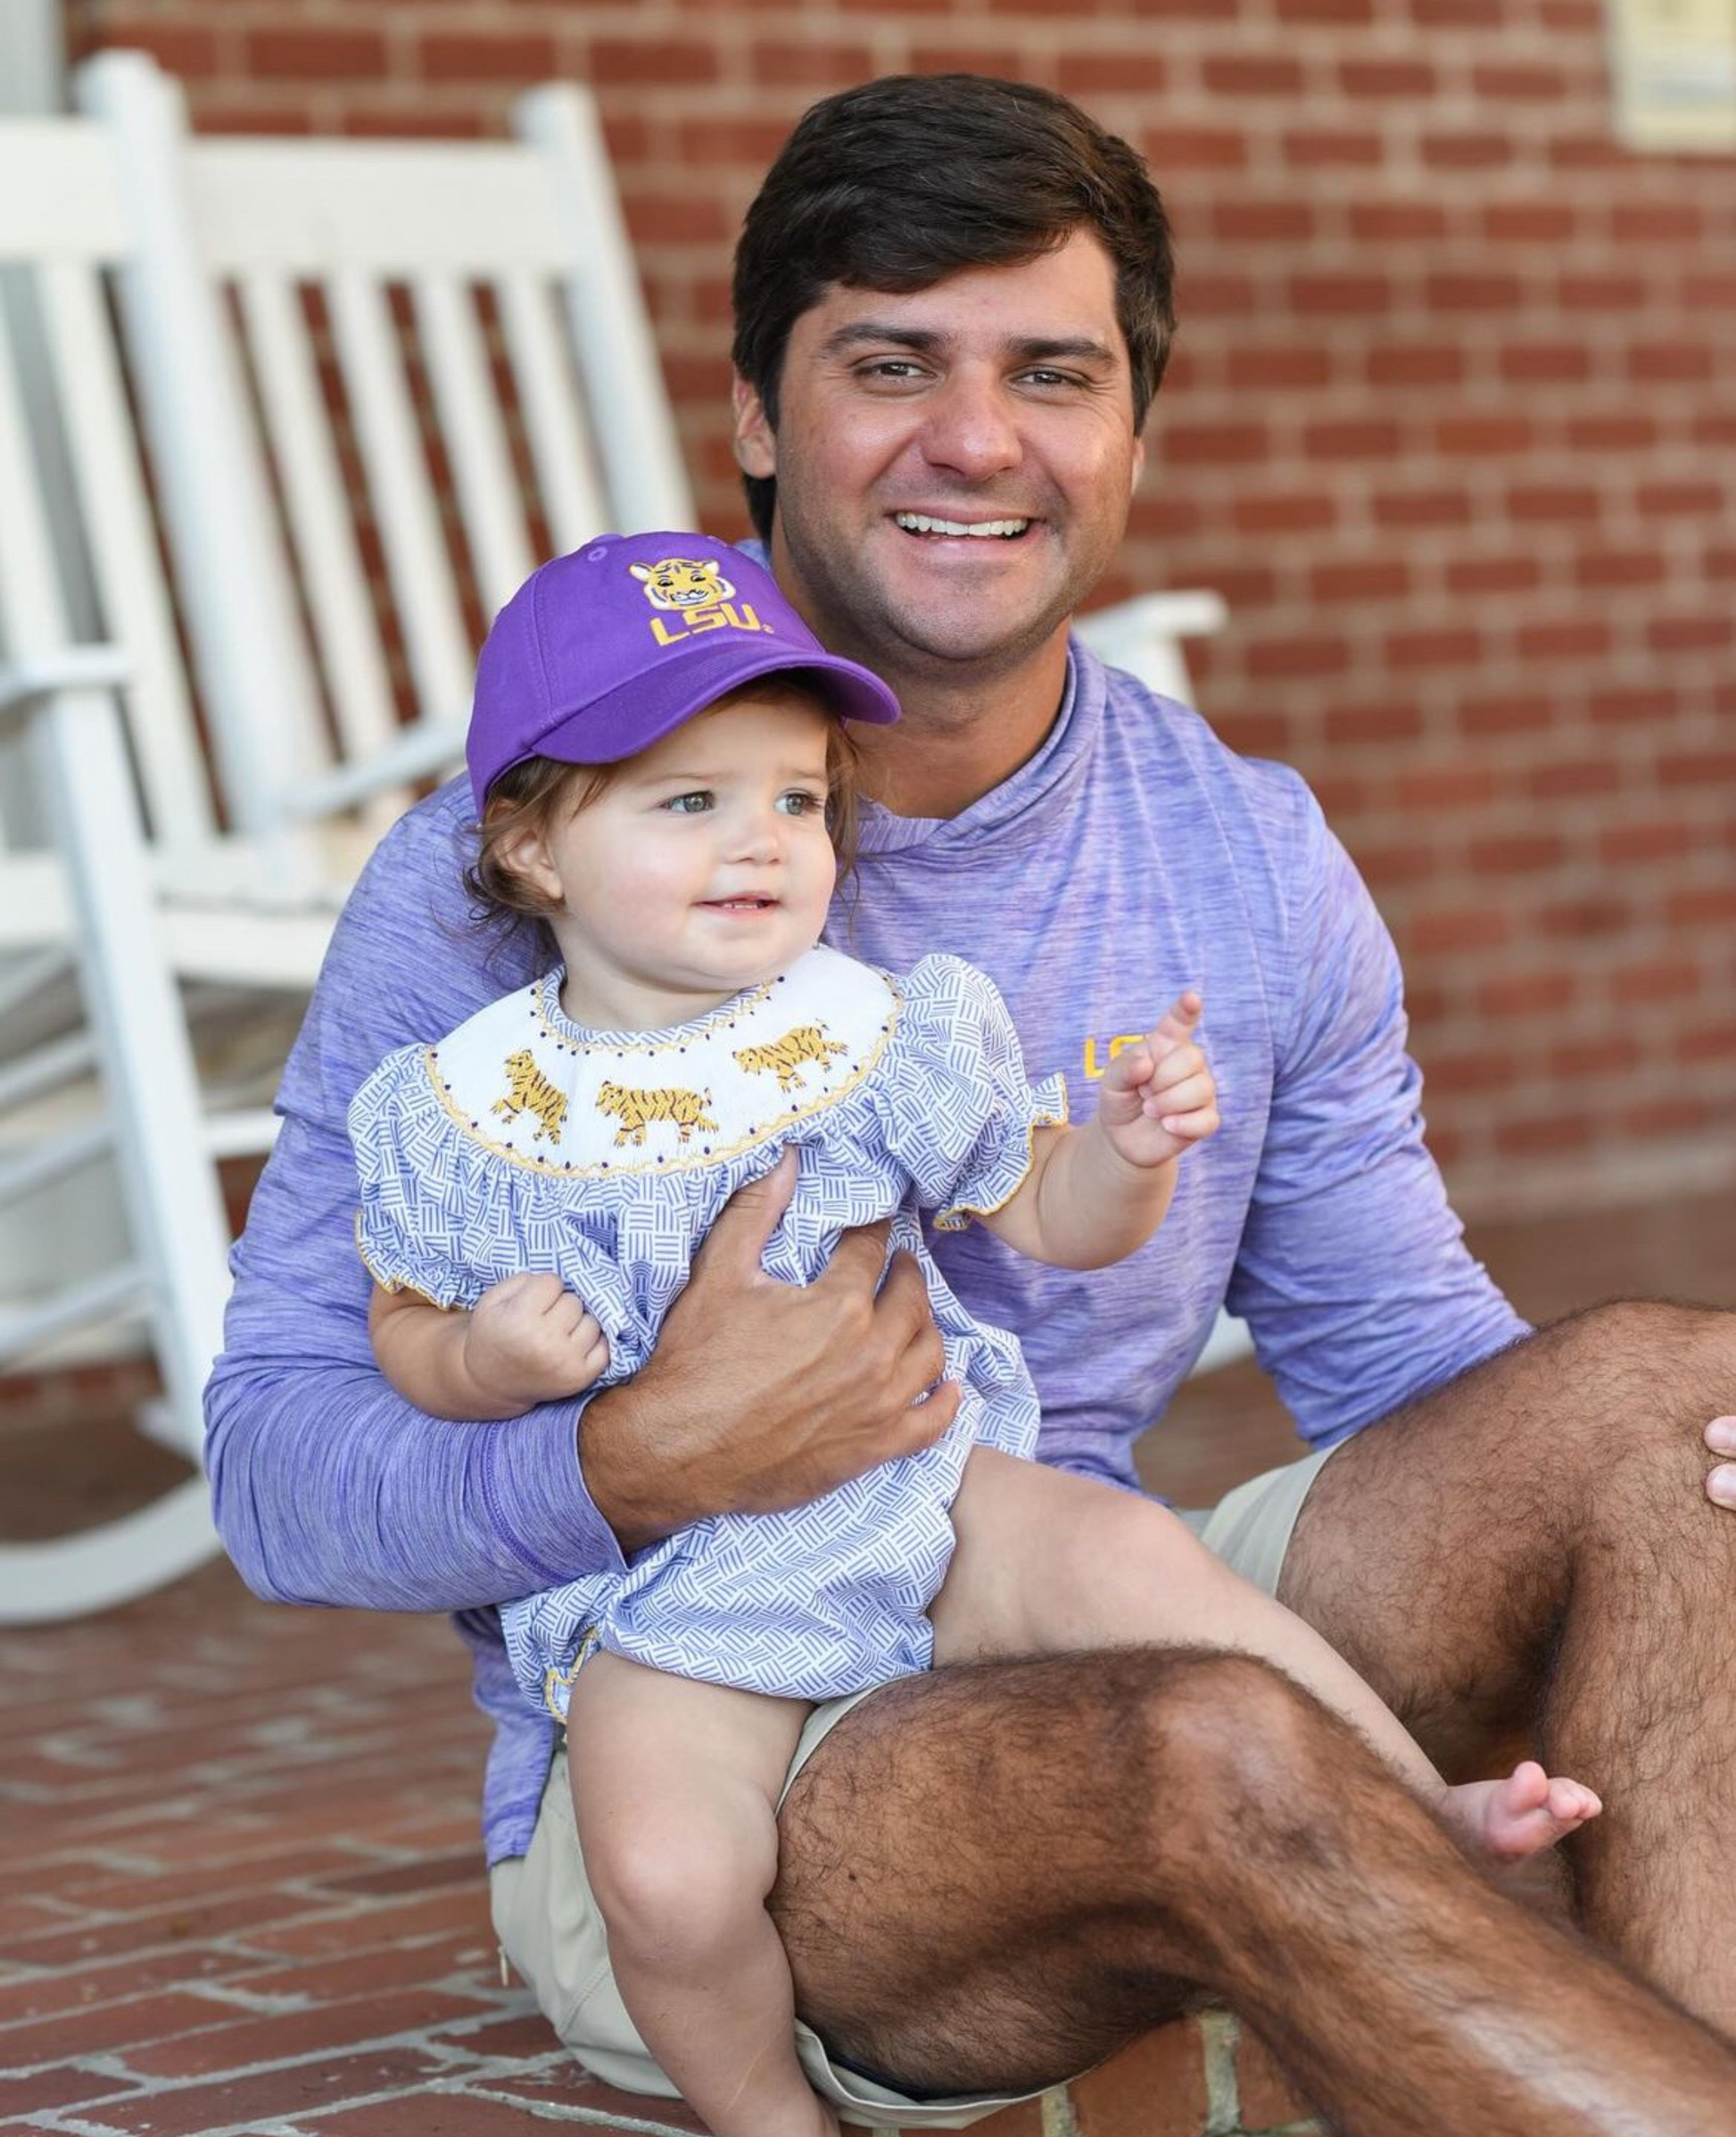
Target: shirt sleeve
1352	1271
407	1232
957	1107
327	1487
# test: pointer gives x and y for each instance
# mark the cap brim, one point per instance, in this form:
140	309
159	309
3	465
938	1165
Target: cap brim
638	713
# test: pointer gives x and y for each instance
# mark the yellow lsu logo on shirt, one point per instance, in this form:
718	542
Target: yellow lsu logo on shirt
1100	1053
695	589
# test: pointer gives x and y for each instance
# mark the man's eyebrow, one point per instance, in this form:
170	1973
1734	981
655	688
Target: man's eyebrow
1081	347
843	339
925	341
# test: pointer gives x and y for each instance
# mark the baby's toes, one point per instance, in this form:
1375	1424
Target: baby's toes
1571	1803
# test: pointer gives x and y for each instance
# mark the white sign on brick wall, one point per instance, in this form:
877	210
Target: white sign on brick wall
1673	68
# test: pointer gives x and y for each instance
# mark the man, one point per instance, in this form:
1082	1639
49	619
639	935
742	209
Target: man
953	308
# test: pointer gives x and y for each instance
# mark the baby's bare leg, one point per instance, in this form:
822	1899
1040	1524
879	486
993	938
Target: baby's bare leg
1049	1563
675	1787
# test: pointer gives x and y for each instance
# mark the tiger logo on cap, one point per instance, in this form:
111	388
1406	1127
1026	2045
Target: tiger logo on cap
683	583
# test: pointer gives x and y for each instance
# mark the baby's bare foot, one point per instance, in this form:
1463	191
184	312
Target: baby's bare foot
1510	1819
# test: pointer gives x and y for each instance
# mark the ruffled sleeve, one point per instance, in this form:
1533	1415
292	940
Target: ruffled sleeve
410	1221
955	1105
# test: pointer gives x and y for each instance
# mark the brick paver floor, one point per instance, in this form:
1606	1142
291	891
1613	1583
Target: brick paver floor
239	1882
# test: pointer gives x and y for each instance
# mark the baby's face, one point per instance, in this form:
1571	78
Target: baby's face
703	866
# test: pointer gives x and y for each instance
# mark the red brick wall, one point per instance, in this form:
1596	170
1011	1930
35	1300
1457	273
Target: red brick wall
1452	424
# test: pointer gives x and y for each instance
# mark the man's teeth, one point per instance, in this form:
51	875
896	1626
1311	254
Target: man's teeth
918	523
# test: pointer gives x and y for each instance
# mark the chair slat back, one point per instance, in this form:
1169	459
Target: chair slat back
87	567
442	360
321	524
122	546
424	588
557	431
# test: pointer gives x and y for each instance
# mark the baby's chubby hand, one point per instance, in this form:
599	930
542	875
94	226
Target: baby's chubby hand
1159	1095
530	1340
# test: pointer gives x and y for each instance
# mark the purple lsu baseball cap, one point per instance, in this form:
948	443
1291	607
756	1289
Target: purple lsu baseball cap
602	652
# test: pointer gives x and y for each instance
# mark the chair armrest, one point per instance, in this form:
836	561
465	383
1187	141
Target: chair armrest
429	747
1143	636
72	667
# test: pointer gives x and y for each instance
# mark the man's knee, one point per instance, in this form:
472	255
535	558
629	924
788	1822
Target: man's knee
1223	1716
1259	1797
1638	1380
1230	1748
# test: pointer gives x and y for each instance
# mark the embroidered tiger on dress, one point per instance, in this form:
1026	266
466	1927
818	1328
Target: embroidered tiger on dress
638	1110
529	1090
683	583
785	1057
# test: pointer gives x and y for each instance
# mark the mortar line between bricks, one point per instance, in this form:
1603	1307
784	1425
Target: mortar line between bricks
246	1955
447	2088
412	2039
74	2124
1219	2031
548	2111
1059	2119
237	1996
302	1905
493	2069
82	2125
235	1944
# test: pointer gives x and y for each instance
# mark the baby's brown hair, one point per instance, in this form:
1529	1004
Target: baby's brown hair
538	792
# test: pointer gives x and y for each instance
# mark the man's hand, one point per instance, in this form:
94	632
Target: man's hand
529	1339
761	1395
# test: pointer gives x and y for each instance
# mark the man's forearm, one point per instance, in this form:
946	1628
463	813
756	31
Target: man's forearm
329	1487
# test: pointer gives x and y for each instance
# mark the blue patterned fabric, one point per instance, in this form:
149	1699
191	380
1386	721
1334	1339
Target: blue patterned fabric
525	1141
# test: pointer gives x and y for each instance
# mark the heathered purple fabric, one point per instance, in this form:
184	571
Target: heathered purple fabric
1132	857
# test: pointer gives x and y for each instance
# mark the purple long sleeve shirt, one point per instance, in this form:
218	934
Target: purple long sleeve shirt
1131	856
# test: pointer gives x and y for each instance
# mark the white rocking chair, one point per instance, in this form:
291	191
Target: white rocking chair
482	311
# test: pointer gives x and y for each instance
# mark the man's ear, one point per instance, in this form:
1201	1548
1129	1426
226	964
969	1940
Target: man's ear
525	853
756	442
1138	464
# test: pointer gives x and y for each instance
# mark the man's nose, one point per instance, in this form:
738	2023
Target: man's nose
969	428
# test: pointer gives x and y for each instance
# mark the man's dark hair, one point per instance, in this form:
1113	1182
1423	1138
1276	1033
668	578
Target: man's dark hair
901	182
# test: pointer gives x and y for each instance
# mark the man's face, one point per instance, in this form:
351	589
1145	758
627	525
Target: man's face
998	400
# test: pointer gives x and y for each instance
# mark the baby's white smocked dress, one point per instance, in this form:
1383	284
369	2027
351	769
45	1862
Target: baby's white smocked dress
525	1141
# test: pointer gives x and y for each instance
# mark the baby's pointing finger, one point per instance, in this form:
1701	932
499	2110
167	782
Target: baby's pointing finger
1178	1022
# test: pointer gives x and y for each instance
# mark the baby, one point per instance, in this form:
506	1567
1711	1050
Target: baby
663	771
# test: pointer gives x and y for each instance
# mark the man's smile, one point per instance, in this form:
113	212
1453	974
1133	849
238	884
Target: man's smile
926	523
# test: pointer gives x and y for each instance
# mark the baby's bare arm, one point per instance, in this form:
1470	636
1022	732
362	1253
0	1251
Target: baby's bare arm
1082	1206
1096	1193
527	1340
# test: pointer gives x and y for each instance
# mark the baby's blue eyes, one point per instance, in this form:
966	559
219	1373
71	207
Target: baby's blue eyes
796	803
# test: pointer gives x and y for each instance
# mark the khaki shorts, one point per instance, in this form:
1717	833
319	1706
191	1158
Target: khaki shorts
549	1927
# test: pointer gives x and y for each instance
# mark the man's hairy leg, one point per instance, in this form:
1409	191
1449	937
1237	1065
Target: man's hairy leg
1532	1547
994	1876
